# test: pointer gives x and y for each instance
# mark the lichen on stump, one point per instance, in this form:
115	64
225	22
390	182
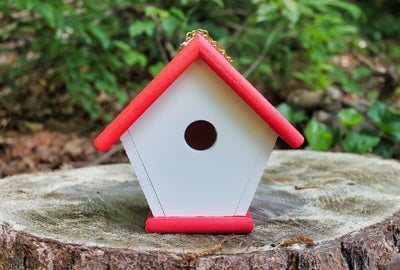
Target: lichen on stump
311	210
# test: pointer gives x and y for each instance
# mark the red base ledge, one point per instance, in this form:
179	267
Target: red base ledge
235	224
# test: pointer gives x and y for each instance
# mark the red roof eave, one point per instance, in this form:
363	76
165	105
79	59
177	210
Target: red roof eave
198	47
250	95
146	97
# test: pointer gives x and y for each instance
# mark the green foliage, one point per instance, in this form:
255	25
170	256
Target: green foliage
359	143
75	42
319	136
156	68
89	47
292	116
385	148
350	117
387	120
311	30
140	27
381	20
380	140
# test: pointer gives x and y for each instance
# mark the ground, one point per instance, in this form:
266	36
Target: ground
44	150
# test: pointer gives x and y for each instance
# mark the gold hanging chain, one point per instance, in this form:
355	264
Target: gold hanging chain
204	33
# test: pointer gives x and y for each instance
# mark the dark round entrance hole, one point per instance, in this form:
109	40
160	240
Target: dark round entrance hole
200	135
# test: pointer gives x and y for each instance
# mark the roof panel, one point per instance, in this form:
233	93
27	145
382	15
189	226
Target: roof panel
198	47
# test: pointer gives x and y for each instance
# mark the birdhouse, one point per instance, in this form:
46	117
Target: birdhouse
199	137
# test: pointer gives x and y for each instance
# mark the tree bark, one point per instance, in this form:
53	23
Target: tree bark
312	210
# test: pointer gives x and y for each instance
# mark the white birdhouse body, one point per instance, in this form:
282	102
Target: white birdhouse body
179	180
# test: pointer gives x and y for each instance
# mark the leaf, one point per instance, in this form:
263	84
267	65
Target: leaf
59	18
140	27
178	13
290	115
98	32
292	16
350	117
291	5
343	29
247	60
387	120
265	68
352	9
285	110
134	57
169	24
359	143
47	11
336	134
361	72
155	69
121	45
151	10
102	85
220	3
122	96
20	4
369	131
291	11
87	91
89	76
318	136
110	77
104	81
385	148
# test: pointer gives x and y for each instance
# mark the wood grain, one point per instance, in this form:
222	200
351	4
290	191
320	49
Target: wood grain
93	218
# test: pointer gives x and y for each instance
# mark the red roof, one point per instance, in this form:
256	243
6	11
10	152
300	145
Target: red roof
198	47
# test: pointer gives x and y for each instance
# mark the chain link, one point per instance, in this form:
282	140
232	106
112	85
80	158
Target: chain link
204	33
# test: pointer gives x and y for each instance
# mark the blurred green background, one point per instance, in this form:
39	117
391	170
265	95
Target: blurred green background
77	63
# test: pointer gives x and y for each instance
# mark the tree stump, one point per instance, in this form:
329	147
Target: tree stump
312	210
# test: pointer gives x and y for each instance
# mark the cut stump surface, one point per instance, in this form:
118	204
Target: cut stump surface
347	205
